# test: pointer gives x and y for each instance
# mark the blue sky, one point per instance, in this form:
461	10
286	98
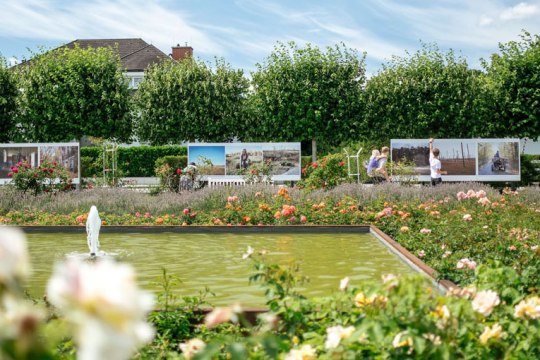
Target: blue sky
244	32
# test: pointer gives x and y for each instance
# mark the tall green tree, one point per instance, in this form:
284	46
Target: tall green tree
305	93
190	100
426	94
8	102
515	77
68	93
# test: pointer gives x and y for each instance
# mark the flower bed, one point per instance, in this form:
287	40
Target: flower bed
485	241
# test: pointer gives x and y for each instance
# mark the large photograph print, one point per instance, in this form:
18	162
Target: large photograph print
12	155
462	159
212	158
65	156
498	158
240	157
284	158
234	160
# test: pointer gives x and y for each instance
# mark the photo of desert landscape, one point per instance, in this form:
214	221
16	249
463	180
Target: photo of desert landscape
458	157
284	158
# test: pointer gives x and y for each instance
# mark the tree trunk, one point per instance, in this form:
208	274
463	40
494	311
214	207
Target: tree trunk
313	150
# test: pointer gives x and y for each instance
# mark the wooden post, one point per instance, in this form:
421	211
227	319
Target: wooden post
462	155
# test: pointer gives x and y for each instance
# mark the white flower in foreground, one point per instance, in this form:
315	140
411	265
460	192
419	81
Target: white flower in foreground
191	347
14	263
248	253
485	301
102	299
397	342
335	334
344	283
529	308
306	352
18	318
222	314
467	217
493	332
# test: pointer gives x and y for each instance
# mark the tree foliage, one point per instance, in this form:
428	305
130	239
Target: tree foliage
305	93
515	76
189	100
8	105
425	94
69	93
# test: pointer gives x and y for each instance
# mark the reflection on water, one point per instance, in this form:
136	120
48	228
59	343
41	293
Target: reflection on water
215	260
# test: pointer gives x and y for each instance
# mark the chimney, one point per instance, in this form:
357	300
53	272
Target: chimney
179	53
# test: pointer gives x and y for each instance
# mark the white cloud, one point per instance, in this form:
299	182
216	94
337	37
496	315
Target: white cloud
485	20
520	11
46	19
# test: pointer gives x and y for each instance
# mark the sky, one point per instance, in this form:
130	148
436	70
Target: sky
244	32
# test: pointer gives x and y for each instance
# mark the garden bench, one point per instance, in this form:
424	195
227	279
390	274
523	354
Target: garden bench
225	182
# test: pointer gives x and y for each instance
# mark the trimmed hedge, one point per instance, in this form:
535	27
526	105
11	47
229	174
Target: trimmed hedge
136	161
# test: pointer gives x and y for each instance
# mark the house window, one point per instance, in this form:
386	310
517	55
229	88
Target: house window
134	79
135	82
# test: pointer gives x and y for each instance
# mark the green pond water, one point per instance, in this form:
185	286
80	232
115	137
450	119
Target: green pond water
215	260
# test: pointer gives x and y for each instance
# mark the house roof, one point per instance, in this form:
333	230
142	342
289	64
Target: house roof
135	54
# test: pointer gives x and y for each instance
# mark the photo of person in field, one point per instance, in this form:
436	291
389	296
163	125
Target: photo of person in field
240	157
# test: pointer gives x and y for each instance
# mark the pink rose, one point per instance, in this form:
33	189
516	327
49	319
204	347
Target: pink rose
425	231
303	218
461	196
186	211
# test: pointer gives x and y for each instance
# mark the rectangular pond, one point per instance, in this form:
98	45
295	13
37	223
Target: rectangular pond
215	259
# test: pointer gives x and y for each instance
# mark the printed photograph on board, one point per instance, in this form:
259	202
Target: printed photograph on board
242	156
212	158
63	155
284	158
414	152
458	156
11	156
498	158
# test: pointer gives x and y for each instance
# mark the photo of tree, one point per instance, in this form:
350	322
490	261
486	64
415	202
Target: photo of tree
498	158
285	159
415	152
66	156
11	155
200	155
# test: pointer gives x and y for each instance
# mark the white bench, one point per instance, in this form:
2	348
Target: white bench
212	182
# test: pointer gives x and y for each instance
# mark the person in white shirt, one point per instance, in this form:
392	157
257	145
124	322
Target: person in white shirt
435	165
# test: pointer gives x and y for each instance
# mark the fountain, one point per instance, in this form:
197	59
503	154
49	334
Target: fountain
93	224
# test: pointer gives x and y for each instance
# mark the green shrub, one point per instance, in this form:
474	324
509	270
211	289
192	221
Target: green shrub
90	166
137	161
530	169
